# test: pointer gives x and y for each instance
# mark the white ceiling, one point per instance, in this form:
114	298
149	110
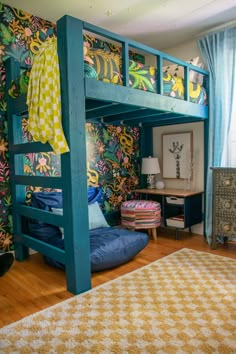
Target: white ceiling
158	23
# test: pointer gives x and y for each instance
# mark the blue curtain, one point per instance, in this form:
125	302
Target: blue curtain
218	50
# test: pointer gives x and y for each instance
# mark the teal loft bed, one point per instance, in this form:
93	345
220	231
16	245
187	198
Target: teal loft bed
85	99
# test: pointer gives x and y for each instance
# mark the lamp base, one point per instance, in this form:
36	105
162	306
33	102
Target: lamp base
150	182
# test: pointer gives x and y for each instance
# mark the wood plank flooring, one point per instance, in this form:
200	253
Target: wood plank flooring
31	286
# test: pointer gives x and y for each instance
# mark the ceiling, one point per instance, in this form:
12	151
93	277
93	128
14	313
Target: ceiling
158	23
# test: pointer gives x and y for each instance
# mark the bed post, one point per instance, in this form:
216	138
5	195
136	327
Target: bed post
73	164
206	167
16	164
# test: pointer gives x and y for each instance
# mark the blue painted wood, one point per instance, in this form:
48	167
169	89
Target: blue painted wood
19	105
93	105
160	57
115	93
26	148
135	113
125	63
74	169
17	192
42	215
40	246
139	115
47	182
157	119
156	110
186	83
159	75
192	210
142	47
171	121
206	147
24	66
113	110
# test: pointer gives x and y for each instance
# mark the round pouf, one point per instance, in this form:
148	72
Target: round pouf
141	214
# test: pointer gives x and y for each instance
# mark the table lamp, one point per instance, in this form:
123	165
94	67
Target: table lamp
150	167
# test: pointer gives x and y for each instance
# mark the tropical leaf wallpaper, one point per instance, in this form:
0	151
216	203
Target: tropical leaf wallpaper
112	152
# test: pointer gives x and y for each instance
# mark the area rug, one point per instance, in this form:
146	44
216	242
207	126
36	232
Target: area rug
182	303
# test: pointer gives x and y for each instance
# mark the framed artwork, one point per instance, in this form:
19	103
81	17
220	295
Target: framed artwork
177	154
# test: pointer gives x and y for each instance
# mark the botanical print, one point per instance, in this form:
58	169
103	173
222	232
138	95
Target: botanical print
177	154
112	163
112	152
113	158
176	151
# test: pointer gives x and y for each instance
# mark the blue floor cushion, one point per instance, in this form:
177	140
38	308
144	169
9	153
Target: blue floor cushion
109	246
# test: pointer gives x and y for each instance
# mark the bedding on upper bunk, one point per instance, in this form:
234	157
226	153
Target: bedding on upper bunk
106	66
109	246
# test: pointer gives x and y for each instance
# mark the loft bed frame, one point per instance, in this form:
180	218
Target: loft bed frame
86	100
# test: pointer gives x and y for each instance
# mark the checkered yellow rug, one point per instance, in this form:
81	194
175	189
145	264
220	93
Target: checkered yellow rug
182	303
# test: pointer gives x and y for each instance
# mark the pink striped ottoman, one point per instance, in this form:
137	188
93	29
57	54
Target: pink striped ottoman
141	214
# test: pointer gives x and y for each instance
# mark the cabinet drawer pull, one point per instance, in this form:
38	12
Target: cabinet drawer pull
227	204
227	182
227	227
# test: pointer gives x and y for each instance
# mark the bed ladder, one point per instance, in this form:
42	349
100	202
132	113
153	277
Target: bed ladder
73	179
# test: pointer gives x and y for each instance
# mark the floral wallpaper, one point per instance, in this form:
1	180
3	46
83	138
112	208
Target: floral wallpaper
113	157
112	152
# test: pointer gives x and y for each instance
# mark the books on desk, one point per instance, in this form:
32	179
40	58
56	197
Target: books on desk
176	221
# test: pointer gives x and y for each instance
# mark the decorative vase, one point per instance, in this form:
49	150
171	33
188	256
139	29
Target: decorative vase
160	185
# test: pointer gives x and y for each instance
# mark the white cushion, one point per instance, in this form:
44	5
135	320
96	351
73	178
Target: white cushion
96	217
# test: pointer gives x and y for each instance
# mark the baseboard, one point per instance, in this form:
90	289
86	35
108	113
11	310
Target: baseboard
198	229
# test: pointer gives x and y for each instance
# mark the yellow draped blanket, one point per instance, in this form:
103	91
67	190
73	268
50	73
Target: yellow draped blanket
44	99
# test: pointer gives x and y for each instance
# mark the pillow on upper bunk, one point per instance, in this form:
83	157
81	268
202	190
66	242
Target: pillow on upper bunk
142	77
178	70
106	65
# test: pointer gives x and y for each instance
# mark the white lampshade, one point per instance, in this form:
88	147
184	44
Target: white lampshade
150	166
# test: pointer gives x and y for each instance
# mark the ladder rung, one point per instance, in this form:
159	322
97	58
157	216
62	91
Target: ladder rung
30	148
40	246
38	181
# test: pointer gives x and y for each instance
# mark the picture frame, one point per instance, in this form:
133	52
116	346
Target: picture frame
177	155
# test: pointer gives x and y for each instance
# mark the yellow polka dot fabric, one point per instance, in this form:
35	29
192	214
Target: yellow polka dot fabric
44	98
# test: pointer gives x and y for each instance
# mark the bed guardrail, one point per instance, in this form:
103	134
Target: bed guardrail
128	44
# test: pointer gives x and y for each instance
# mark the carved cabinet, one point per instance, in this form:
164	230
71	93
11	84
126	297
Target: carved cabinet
224	204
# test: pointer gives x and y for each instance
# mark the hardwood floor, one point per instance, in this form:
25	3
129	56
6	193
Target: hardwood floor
31	285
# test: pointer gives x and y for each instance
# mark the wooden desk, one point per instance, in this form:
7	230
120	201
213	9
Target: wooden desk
165	192
180	208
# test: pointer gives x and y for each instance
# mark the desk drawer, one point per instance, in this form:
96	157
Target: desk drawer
176	221
175	200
